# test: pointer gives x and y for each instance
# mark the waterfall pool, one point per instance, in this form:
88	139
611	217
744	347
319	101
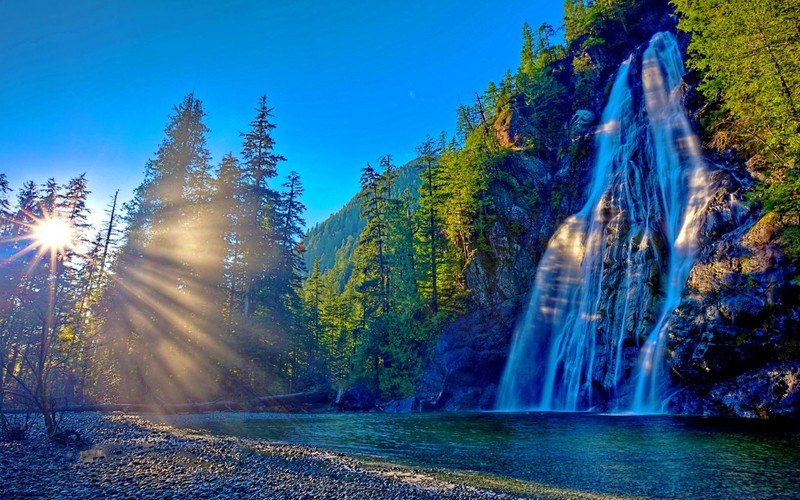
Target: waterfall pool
565	453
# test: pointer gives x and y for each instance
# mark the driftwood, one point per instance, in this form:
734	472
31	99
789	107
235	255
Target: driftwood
297	402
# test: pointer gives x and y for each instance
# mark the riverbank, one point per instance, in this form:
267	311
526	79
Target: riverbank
126	456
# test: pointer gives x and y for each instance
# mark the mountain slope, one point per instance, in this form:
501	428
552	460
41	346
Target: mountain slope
324	240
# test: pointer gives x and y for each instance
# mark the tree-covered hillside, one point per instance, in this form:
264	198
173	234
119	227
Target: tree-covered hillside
324	240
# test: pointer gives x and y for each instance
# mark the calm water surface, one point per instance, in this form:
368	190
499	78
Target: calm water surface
652	456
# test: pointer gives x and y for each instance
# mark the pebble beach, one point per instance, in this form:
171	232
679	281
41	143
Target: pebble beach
127	456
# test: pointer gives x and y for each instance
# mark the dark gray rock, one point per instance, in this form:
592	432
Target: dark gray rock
469	360
769	391
357	398
580	123
406	405
505	263
734	334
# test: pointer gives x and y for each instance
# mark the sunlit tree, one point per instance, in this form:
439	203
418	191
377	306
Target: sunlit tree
261	165
749	56
165	301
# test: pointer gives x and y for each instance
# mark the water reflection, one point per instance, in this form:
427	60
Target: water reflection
656	456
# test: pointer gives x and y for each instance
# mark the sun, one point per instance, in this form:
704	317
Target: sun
55	234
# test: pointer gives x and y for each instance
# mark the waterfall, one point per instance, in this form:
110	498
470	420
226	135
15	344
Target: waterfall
595	328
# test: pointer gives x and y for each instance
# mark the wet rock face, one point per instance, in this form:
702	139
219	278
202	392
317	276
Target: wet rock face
735	334
469	360
766	392
579	124
513	130
771	391
357	398
505	264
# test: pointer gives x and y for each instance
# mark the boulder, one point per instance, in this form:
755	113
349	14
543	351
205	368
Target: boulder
468	360
765	392
357	398
406	405
513	130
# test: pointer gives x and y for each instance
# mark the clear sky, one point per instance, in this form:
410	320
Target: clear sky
87	86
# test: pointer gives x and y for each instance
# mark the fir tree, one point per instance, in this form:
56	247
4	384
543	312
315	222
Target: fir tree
756	107
429	203
260	164
161	305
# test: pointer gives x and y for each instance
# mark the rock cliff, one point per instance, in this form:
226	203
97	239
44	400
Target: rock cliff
734	339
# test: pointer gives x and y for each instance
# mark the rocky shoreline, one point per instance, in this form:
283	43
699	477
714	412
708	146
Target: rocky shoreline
127	456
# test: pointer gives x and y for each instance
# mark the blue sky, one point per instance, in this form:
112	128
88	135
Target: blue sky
87	86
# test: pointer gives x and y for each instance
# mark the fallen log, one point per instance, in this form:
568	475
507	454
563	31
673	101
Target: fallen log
296	399
290	403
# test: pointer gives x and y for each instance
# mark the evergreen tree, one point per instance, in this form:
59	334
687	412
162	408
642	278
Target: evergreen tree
289	268
430	201
574	19
260	163
371	262
160	303
371	273
758	103
528	60
319	347
229	202
41	290
96	367
289	226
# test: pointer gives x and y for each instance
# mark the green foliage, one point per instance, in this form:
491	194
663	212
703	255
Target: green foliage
586	75
790	240
791	349
394	277
325	239
48	295
598	19
435	253
574	19
401	358
749	57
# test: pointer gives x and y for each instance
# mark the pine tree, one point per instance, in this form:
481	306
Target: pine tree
95	368
160	301
286	280
758	103
260	163
430	237
527	57
229	204
289	225
574	19
371	262
312	302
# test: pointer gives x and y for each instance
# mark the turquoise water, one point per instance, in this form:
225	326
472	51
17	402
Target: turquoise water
651	456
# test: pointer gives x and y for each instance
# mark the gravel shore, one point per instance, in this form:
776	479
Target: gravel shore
126	456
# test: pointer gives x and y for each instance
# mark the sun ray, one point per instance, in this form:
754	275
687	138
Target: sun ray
54	233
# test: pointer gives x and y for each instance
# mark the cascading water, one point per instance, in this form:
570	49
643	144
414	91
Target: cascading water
596	325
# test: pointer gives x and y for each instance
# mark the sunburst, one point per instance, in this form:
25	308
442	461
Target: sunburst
55	234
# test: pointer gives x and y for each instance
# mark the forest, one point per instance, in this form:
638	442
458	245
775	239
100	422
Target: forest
200	289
